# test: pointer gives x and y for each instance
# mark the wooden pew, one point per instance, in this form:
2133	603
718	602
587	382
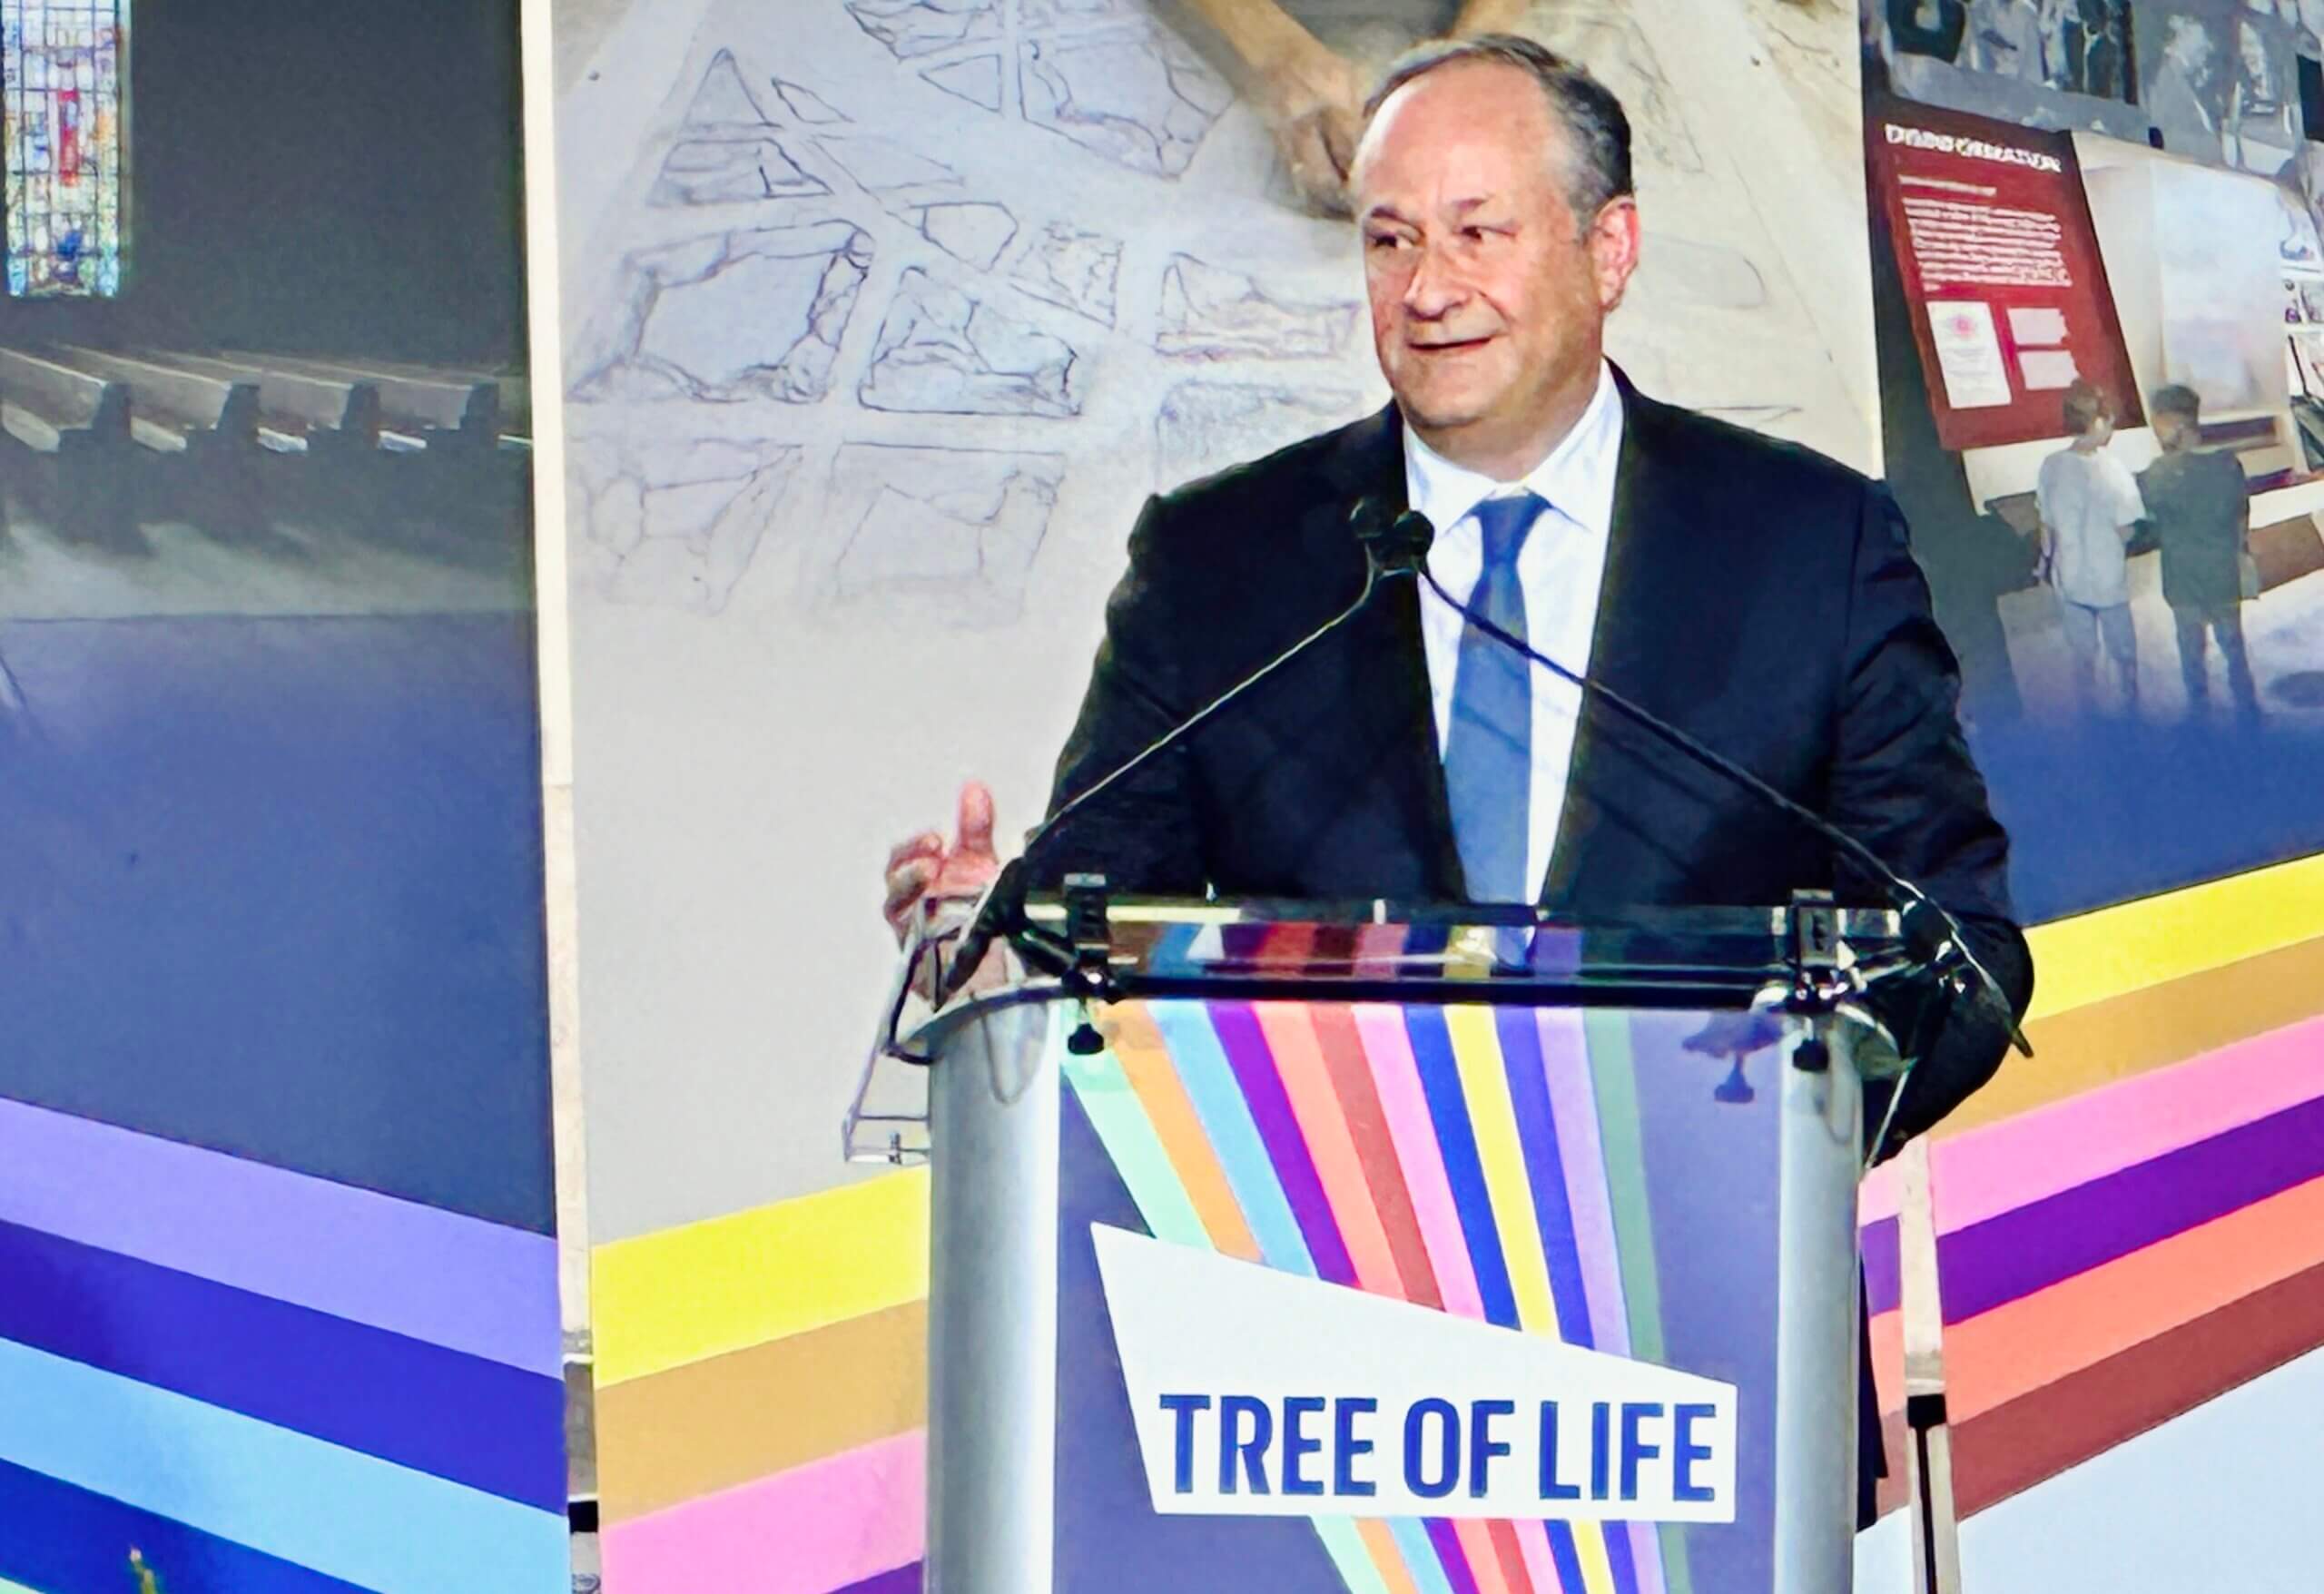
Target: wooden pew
298	412
198	434
422	408
74	428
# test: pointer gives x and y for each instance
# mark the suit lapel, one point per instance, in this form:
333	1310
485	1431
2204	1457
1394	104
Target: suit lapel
1644	561
1389	666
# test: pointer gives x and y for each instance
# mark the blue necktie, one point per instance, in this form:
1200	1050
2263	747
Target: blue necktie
1489	750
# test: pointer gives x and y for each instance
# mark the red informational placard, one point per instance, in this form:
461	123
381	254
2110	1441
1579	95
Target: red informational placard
2000	261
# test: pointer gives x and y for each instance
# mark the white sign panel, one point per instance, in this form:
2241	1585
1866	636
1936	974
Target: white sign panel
1263	1393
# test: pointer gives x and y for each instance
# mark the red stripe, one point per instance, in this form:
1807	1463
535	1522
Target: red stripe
1343	1047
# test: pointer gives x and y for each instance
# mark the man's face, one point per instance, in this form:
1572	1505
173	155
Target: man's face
1489	299
2170	429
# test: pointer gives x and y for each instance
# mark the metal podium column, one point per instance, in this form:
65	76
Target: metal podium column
1815	1315
993	1299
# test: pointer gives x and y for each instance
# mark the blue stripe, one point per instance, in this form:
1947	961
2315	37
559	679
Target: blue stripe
463	1418
1217	1096
67	1540
1537	1135
1440	1081
1536	1131
350	1516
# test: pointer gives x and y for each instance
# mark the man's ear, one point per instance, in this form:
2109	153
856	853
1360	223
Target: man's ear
1613	243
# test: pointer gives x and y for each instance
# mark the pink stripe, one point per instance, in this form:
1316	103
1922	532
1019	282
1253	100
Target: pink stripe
1991	1170
1574	1104
1533	1542
1389	1049
1876	1195
808	1531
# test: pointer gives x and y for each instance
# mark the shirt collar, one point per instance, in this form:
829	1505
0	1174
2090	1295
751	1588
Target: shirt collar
1577	479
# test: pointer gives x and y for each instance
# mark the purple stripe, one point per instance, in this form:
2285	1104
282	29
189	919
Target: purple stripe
478	1423
2015	1252
1253	1060
418	1271
1884	1265
904	1579
1448	1552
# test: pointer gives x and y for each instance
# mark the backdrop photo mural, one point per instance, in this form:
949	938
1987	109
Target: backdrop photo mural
277	1219
881	319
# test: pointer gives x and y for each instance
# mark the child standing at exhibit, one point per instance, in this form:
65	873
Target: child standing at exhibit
2201	511
2090	506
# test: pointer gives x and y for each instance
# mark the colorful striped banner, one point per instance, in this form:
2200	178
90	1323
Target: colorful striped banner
263	1380
479	1288
1448	1157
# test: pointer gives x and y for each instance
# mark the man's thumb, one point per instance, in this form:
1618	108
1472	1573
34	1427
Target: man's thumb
976	819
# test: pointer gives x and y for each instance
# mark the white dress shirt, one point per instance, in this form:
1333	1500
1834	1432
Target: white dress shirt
1561	569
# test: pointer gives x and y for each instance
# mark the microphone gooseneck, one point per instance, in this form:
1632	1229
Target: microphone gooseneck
1393	546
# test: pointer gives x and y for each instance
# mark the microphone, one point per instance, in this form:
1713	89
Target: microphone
1931	933
1393	546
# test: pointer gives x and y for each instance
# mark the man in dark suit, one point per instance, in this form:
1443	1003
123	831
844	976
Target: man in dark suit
1758	596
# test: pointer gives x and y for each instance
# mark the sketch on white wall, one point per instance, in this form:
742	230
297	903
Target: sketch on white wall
723	100
884	166
916	27
975	79
675	524
1203	427
717	172
951	531
973	232
944	351
1073	268
806	105
1142	99
1210	313
731	316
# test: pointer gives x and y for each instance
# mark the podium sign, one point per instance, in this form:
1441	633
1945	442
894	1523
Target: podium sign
1388	1258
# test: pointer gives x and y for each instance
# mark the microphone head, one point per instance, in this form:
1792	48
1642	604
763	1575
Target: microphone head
1395	546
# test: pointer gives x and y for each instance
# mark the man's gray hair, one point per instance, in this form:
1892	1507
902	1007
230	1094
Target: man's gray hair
1592	117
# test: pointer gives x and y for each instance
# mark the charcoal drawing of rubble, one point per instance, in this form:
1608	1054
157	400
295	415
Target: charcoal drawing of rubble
1208	312
943	352
917	28
1141	98
723	100
806	105
716	172
731	317
949	535
1043	15
1073	268
975	79
1204	425
1679	270
885	167
973	232
675	525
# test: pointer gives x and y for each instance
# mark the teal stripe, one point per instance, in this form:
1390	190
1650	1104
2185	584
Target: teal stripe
1345	1545
1419	1556
337	1512
1114	1110
1613	1077
1211	1084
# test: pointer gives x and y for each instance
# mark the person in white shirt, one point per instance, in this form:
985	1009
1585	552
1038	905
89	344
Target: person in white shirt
2089	507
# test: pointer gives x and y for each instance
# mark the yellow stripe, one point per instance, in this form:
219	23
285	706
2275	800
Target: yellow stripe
1476	1050
2099	956
665	1299
1484	1082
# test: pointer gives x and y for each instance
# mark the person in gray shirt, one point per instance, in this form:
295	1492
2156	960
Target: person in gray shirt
2089	507
2202	511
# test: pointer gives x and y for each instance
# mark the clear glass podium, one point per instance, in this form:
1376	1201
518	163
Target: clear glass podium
1292	1247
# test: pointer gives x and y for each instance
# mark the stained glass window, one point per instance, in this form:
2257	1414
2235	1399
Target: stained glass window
64	131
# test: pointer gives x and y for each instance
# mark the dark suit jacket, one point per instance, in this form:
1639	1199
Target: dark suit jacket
1758	596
